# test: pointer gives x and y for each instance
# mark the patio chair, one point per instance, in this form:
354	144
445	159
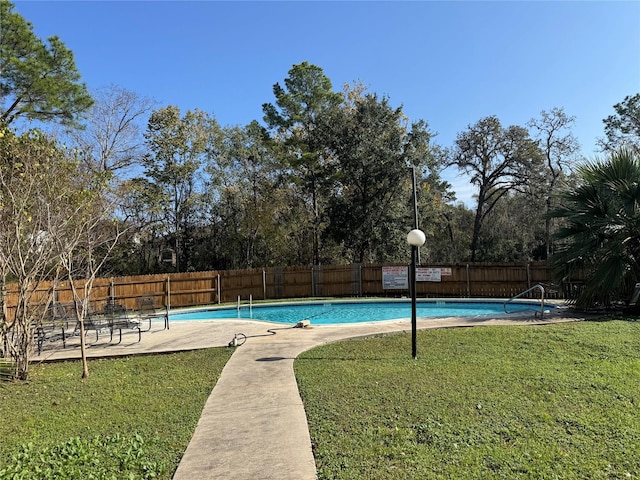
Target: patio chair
92	321
147	310
52	326
117	319
95	322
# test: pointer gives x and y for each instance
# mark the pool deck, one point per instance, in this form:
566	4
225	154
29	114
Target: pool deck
253	425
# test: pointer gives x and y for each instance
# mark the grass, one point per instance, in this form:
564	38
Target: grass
148	405
558	401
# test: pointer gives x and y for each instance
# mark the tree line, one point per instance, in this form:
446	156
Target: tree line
110	183
324	179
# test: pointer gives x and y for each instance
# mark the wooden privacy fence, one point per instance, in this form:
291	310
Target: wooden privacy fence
206	288
465	280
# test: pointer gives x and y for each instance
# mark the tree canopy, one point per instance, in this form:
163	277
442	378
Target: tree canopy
177	146
623	127
293	120
38	80
372	148
497	160
552	131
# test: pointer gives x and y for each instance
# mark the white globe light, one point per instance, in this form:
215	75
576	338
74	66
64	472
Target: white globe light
416	238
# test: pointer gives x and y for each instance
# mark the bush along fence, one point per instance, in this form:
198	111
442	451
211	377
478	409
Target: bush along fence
206	288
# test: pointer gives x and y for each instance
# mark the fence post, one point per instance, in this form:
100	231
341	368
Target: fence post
264	285
277	282
468	283
168	293
219	289
317	281
356	279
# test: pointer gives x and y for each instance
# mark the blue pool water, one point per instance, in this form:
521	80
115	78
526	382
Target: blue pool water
327	313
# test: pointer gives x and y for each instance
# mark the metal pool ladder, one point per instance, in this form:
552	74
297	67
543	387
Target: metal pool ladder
539	287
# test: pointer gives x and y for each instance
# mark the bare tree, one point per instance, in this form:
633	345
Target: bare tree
112	139
38	195
559	147
55	217
84	250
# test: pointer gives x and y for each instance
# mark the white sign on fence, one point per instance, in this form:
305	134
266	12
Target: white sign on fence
429	275
395	278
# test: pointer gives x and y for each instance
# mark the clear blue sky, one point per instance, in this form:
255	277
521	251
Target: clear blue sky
449	63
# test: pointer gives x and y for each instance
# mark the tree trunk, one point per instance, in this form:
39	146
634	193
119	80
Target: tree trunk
21	355
316	228
83	351
477	226
22	334
547	230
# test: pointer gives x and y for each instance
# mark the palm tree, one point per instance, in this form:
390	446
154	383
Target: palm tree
601	232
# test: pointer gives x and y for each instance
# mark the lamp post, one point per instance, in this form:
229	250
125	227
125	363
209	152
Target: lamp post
416	239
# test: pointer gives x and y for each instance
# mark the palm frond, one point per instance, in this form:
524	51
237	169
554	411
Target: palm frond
601	232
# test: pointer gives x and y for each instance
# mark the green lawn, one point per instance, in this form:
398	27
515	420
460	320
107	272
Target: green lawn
559	401
132	418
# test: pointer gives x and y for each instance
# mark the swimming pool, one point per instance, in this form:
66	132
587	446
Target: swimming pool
330	313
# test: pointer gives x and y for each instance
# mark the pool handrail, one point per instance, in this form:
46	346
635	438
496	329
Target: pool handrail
250	303
538	286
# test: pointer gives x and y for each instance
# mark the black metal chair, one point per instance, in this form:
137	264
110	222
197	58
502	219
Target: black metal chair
52	326
146	310
118	318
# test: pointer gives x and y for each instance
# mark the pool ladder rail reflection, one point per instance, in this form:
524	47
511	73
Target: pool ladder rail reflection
538	287
250	305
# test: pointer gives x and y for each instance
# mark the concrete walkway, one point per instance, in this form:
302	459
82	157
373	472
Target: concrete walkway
253	425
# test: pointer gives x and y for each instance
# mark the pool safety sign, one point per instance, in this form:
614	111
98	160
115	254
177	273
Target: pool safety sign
428	275
397	278
432	274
